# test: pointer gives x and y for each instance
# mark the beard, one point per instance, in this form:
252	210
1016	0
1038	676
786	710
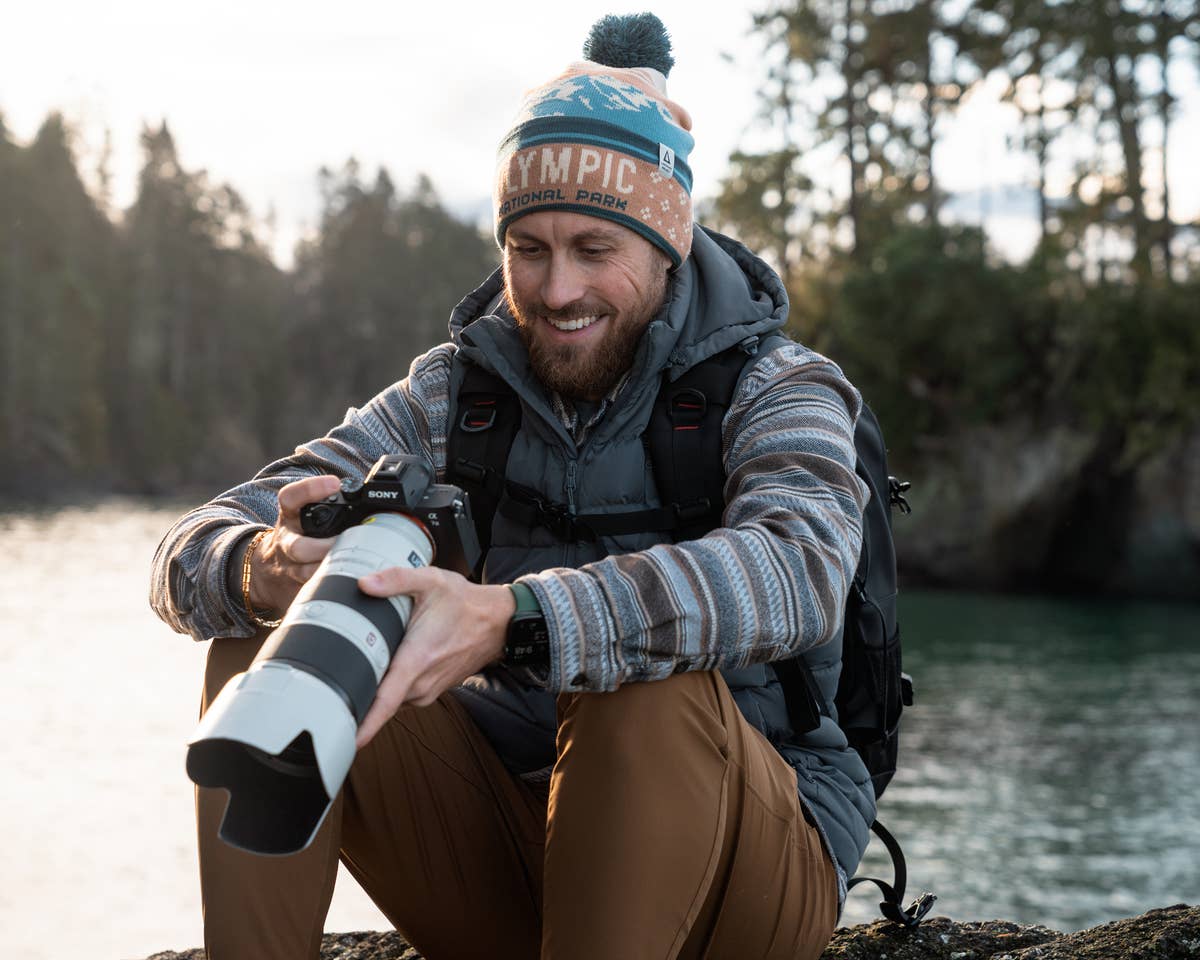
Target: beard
585	372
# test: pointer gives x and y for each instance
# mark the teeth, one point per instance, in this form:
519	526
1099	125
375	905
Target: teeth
577	324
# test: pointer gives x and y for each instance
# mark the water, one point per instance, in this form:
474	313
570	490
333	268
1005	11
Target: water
97	698
1050	772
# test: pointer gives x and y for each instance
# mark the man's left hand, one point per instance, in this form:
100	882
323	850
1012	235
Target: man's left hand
456	628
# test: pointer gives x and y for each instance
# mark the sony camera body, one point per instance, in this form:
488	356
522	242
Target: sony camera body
400	483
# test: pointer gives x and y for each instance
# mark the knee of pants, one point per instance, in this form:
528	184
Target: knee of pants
687	709
227	657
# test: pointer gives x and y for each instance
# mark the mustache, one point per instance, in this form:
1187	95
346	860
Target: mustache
526	310
573	311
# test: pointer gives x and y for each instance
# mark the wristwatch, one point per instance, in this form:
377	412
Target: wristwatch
528	641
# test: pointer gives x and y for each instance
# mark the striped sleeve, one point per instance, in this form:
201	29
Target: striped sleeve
769	583
189	579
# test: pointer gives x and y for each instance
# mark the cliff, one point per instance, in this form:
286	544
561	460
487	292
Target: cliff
1171	933
1025	507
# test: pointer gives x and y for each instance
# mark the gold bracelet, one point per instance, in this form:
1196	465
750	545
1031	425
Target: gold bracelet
249	555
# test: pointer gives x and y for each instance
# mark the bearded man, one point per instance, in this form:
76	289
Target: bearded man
639	790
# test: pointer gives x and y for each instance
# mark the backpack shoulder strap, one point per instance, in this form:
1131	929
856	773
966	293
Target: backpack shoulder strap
483	424
683	438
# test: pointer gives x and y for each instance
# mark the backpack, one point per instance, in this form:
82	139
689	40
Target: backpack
683	443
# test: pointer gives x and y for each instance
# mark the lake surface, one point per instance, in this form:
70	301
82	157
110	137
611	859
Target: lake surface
1050	771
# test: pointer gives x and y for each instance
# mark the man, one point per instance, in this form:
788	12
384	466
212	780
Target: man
642	793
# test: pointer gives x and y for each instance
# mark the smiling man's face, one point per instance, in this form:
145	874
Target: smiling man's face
582	291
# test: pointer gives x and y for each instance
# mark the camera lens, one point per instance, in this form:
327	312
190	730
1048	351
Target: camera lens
291	718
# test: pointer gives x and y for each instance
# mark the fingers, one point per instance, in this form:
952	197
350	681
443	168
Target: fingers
393	688
304	572
456	628
286	559
300	493
412	581
307	552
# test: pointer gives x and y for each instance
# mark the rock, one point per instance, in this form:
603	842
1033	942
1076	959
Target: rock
1170	933
366	946
1162	552
1023	506
986	506
337	946
938	938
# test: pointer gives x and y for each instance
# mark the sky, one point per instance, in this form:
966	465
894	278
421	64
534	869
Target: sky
261	93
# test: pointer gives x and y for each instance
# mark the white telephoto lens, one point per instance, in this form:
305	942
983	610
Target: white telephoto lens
280	737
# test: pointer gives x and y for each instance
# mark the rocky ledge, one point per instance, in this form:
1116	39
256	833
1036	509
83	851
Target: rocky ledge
1171	933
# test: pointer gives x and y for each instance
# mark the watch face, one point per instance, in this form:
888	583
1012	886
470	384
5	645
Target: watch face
528	641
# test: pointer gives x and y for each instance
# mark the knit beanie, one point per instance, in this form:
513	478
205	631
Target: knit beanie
603	139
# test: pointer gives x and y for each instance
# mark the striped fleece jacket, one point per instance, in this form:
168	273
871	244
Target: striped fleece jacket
769	583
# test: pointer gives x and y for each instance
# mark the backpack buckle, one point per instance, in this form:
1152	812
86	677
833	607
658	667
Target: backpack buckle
687	409
480	416
555	517
687	512
565	526
471	471
910	917
896	491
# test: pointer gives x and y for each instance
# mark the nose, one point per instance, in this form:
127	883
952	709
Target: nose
563	283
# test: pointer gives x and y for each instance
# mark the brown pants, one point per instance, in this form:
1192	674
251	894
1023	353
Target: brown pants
671	828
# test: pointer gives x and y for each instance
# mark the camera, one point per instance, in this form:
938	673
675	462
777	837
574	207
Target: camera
402	484
280	736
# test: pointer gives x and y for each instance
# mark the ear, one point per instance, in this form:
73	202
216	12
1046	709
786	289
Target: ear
663	260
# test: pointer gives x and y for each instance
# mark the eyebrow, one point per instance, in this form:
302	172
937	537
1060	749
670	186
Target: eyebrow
584	236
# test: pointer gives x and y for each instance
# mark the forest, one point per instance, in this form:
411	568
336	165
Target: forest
159	350
162	351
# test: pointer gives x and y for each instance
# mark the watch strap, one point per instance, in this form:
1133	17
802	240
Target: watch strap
528	642
527	601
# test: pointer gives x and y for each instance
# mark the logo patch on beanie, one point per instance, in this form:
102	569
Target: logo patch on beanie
666	160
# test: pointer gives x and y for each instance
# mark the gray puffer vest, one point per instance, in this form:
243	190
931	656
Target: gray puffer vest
722	295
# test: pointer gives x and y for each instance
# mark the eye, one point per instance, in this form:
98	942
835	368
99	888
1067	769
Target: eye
526	250
593	253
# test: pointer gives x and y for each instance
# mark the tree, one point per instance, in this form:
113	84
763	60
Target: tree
1086	67
56	273
200	339
859	88
375	287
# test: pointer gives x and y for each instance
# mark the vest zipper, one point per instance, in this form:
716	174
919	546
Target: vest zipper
572	469
569	550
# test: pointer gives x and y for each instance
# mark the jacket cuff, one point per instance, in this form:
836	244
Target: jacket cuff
229	551
582	632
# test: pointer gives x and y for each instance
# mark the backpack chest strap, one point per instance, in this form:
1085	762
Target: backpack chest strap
682	441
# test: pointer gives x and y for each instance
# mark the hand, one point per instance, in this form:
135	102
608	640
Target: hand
285	558
456	628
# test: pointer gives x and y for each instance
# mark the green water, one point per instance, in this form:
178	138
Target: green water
1050	769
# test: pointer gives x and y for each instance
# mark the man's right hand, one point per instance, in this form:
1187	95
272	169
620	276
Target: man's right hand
285	558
